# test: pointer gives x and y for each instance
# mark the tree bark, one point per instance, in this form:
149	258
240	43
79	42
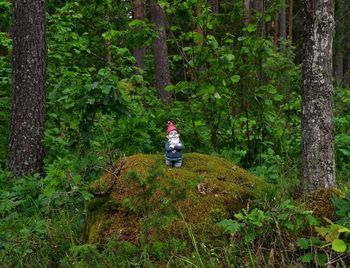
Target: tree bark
139	52
283	31
339	61
275	31
317	139
160	51
290	22
26	147
214	5
107	43
259	7
348	48
246	16
340	40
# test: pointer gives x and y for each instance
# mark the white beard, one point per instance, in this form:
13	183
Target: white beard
174	141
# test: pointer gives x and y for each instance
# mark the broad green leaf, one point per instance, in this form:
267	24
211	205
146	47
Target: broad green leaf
217	95
106	89
267	18
338	245
251	28
278	97
235	78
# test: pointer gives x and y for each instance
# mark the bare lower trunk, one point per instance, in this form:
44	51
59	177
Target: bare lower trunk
214	5
26	147
139	52
246	16
290	22
318	164
275	35
347	79
107	44
259	7
283	31
160	51
339	67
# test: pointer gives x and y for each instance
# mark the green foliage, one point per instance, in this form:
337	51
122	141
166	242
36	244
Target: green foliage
332	242
276	227
234	95
342	135
5	84
155	216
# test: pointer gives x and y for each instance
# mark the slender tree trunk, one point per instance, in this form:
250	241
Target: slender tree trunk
275	35
283	31
139	52
318	164
198	15
26	147
290	22
339	45
246	16
339	62
259	7
160	51
347	79
214	5
107	43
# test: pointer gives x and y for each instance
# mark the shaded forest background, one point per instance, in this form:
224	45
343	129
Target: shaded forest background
235	79
231	83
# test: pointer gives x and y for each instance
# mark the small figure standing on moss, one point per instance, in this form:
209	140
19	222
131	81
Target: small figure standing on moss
173	147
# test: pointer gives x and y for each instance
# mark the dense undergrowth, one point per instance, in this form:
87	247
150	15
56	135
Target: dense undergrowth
43	220
235	96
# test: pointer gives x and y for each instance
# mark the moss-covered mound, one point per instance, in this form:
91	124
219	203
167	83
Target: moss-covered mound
151	201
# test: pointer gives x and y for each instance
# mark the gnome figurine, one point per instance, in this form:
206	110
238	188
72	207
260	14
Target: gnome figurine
173	147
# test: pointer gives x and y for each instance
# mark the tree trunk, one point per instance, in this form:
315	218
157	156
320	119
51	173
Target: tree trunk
339	44
246	16
107	43
198	13
318	164
283	31
214	5
26	147
275	34
160	51
348	48
139	52
290	22
339	67
259	7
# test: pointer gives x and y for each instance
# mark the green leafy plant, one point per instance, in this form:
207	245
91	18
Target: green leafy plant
277	226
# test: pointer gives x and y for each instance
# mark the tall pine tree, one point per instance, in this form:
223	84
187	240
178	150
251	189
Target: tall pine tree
26	146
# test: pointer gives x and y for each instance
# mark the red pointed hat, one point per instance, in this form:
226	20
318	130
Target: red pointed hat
171	127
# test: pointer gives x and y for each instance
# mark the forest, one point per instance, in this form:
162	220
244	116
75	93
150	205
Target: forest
93	93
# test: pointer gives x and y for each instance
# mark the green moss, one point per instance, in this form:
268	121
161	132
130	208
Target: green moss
96	203
321	205
202	185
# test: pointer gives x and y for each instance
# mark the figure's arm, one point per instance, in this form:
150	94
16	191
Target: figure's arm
178	146
167	147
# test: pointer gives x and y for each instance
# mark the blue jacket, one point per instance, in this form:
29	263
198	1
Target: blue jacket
173	154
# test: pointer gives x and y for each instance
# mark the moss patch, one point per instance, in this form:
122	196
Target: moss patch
321	205
173	203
